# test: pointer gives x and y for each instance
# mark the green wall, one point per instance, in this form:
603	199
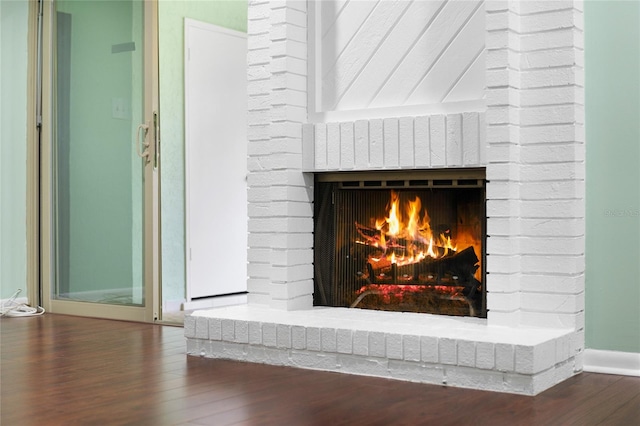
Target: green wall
612	76
13	147
230	14
96	160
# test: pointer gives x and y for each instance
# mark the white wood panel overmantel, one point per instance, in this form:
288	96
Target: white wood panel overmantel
382	59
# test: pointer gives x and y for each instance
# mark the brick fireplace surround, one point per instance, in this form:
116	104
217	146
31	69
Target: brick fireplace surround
530	138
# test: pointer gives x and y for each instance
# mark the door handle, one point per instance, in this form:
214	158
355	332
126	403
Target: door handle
144	152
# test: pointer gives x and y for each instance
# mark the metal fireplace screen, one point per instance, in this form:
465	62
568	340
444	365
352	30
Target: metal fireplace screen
404	242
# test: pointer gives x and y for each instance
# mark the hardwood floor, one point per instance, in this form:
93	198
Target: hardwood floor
63	370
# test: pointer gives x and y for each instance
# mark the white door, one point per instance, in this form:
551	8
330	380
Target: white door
216	160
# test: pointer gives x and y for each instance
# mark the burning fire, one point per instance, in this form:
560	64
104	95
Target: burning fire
408	238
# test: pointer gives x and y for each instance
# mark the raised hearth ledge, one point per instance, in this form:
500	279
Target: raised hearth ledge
435	349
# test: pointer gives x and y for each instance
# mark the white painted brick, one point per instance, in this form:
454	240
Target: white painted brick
482	125
546	115
288	15
361	342
286	129
503	264
543	77
215	329
563	19
308	146
560	303
549	284
241	331
472	378
289	64
503	301
437	137
313	360
289	97
321	160
298	337
202	328
497	245
288	113
258	41
288	47
394	346
258	299
376	144
406	142
363	366
287	80
503	208
328	339
502	226
447	351
470	139
568	37
282	32
411	348
269	335
344	341
410	371
505	283
505	357
552	264
281	224
258	11
553	246
255	333
189	326
291	257
422	149
313	338
291	209
258	26
429	349
347	147
550	134
466	353
293	193
552	209
454	140
255	103
283	336
258	57
258	132
292	240
533	7
228	330
377	345
391	142
485	355
283	287
258	72
361	144
333	146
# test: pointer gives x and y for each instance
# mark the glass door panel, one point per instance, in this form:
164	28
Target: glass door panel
102	173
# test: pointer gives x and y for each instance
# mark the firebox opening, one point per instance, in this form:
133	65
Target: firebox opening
401	241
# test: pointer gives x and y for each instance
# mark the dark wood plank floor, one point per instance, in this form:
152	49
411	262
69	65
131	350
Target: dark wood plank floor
62	370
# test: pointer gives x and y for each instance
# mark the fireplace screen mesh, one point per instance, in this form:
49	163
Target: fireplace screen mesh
412	243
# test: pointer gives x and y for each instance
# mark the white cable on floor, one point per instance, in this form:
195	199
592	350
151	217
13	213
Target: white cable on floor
12	309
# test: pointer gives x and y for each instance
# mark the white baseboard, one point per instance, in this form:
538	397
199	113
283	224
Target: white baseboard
215	302
612	362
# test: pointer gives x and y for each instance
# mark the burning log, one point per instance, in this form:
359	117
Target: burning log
456	269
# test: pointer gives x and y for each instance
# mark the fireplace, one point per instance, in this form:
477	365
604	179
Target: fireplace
399	241
522	122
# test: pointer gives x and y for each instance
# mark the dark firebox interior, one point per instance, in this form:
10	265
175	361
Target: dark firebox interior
362	261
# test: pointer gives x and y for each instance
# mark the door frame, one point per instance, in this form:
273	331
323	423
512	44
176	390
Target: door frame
40	184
